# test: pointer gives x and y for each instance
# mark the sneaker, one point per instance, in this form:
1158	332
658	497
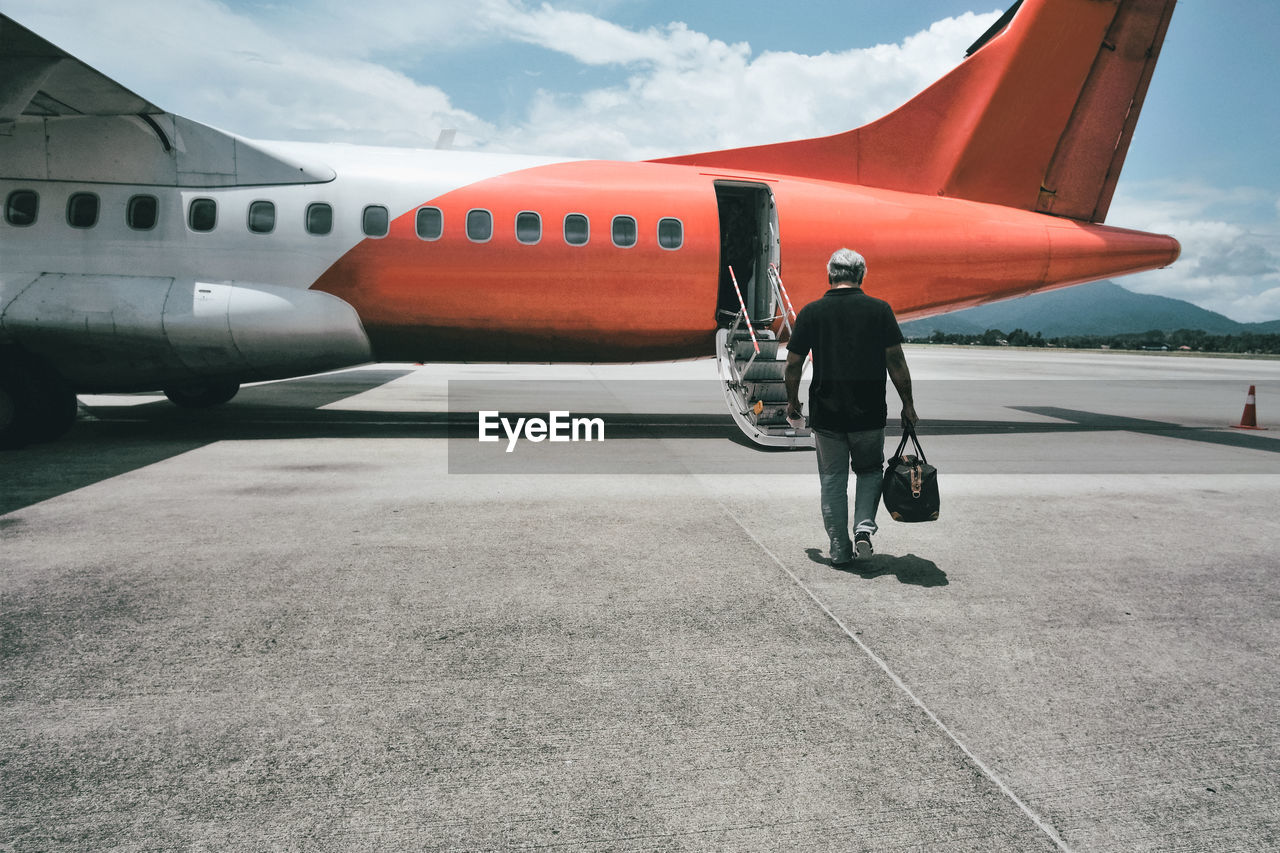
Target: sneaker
862	546
841	554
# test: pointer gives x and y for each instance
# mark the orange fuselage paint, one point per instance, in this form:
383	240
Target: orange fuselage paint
501	300
454	299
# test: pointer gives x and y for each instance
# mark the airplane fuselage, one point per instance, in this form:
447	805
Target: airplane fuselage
612	261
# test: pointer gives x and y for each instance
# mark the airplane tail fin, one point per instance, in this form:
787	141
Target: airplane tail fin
1039	116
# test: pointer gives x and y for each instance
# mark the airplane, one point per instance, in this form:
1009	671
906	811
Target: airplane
140	250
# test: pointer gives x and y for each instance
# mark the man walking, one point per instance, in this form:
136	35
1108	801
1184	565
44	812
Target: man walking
855	341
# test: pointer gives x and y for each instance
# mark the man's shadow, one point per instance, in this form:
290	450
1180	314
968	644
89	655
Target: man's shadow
907	569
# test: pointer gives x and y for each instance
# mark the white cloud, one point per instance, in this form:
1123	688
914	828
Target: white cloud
693	93
441	27
312	71
1230	260
593	41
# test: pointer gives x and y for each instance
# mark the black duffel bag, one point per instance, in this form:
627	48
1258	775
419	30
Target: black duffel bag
910	483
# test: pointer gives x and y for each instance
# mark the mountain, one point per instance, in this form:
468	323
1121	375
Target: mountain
1100	308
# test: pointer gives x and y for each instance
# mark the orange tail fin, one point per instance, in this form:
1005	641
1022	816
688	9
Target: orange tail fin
1038	117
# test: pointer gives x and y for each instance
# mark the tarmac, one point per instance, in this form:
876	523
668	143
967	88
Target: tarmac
327	617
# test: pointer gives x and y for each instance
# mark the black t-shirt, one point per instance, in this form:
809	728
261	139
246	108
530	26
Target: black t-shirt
848	332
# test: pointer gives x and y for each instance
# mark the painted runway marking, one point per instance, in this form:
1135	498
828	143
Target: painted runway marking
1044	826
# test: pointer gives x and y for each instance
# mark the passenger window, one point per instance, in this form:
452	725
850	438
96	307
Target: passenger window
21	208
430	223
528	227
376	221
82	210
319	218
262	217
203	214
670	233
624	232
577	229
479	226
142	212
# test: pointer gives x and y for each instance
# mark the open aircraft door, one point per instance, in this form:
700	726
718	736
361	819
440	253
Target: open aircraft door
749	243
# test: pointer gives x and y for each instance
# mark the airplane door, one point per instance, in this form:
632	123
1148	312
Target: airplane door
749	242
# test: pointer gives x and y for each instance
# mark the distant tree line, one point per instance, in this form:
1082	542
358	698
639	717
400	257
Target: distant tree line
1155	339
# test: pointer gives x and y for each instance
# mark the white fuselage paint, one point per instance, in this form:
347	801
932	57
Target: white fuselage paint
398	179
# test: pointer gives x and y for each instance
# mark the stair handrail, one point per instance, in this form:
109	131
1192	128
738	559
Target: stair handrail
783	299
743	316
742	303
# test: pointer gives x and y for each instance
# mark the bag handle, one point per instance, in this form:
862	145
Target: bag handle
909	432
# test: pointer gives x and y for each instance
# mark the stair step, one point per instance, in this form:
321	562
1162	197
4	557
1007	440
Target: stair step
761	335
765	371
786	430
773	416
742	350
769	392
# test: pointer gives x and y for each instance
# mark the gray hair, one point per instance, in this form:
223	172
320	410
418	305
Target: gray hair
846	265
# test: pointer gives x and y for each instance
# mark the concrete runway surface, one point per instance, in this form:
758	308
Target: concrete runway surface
313	620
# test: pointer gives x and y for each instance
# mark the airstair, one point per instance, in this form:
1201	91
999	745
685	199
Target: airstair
752	374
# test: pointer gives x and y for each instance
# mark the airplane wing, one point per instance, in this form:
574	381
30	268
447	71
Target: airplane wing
40	79
62	120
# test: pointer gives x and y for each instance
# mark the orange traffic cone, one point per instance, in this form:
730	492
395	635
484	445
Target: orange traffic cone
1249	420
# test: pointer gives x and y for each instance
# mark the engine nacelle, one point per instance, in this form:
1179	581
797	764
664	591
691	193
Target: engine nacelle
117	333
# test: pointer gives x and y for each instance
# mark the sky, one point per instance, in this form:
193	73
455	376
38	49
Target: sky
634	79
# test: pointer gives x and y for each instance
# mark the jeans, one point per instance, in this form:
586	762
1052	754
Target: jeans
838	453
